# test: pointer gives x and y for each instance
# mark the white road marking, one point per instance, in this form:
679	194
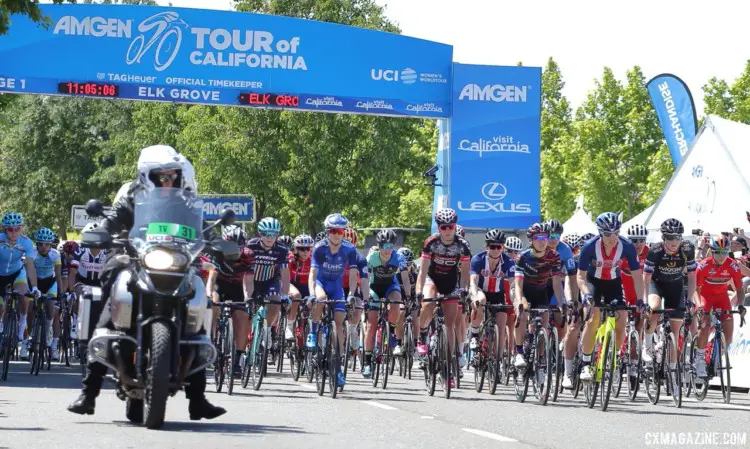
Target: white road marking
379	405
427	417
309	387
490	435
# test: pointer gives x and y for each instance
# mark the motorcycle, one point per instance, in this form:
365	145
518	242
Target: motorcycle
158	303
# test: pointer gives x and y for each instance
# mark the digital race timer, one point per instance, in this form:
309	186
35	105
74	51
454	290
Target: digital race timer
261	99
89	88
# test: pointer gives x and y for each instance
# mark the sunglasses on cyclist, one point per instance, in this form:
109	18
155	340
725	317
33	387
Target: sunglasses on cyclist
554	236
495	246
269	234
672	237
13	228
610	234
448	227
720	252
170	177
305	248
541	237
336	231
387	246
637	241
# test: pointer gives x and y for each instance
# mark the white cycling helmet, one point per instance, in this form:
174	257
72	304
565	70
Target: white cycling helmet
637	231
90	227
513	243
159	158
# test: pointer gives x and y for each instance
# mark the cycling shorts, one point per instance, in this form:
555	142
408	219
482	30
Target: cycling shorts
303	289
19	277
230	291
536	297
711	302
263	289
606	291
496	298
47	286
444	288
334	291
671	292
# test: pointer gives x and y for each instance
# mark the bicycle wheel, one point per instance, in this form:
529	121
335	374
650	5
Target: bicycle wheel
219	363
377	353
674	375
230	357
700	386
557	363
34	348
9	343
633	347
445	362
295	356
260	359
408	356
456	361
334	361
576	386
430	369
387	357
652	377
591	388
319	360
481	364
542	366
65	340
686	340
347	347
494	357
505	362
608	364
724	370
280	344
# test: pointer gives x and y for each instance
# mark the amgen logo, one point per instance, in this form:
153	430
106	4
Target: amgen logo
239	208
496	92
406	76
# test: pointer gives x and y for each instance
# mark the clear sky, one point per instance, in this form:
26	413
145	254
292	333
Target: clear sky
693	39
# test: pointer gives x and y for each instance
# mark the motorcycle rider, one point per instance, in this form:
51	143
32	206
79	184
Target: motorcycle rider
158	166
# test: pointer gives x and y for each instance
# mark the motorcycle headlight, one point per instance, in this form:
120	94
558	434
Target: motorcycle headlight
160	259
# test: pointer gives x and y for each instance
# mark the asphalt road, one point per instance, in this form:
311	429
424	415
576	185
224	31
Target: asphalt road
288	414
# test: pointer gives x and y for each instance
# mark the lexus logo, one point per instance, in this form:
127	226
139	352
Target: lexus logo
494	191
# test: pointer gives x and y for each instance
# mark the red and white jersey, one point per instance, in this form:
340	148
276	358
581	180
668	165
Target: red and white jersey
714	279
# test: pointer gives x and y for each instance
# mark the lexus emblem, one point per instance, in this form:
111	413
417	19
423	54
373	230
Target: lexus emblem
494	191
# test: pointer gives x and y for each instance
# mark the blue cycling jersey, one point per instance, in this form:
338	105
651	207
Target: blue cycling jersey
10	257
45	265
331	266
570	266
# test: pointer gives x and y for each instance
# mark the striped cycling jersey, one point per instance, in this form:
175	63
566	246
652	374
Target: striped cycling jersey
607	266
268	262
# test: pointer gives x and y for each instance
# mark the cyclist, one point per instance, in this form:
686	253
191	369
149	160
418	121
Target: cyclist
330	256
600	281
270	266
666	268
48	266
570	285
445	257
490	270
409	296
460	231
713	275
513	248
286	240
534	269
233	281
575	242
86	265
299	271
386	265
16	272
320	236
363	286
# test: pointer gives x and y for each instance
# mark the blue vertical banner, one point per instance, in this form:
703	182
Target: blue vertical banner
674	106
495	141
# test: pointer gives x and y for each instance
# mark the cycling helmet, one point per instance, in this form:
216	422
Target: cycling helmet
286	240
386	236
460	231
304	241
608	222
719	243
336	221
407	253
494	236
234	233
513	243
351	235
574	241
44	235
270	225
555	227
672	226
159	158
70	247
588	236
90	227
60	246
536	229
446	216
12	219
320	236
637	231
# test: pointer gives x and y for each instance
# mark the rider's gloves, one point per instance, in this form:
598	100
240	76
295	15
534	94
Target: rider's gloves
641	305
35	291
419	297
587	300
285	299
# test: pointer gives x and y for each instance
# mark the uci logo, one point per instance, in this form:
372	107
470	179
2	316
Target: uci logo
406	76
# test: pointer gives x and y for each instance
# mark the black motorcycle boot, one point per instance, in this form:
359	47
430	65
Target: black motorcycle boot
200	408
92	384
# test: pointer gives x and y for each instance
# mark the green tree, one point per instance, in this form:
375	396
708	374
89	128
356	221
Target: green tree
24	7
731	102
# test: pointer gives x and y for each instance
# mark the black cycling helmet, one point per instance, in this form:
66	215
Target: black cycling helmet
386	236
555	227
536	229
672	226
286	240
494	236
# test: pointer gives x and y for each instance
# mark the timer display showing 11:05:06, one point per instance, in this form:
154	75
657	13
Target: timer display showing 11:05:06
92	89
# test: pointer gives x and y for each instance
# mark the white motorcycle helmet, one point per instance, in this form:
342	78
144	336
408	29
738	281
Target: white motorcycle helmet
159	158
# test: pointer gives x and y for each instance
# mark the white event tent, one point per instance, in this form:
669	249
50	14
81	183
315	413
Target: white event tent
580	222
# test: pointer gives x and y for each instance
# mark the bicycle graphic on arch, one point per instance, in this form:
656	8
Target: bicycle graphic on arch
167	26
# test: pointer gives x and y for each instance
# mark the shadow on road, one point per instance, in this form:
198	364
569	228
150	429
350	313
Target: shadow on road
58	377
23	428
210	427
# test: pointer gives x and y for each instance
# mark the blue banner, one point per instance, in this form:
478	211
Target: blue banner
495	139
242	205
674	106
224	58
